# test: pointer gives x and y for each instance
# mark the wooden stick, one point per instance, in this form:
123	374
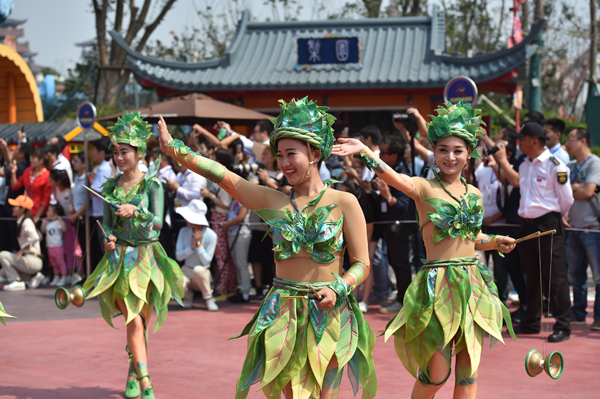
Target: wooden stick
315	292
103	232
299	297
534	235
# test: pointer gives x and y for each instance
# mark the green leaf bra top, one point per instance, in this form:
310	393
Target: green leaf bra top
462	219
293	231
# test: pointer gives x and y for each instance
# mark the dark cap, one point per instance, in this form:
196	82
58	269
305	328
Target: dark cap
531	129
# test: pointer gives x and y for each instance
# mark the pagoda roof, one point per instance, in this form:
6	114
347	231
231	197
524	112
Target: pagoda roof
408	52
13	22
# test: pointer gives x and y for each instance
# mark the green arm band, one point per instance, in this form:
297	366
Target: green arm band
369	162
340	287
210	169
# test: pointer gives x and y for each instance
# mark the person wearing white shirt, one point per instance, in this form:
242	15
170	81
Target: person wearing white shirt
195	247
546	197
100	155
554	129
186	187
166	175
52	155
61	143
371	137
27	262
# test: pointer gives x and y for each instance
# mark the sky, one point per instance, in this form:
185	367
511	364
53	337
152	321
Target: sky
54	26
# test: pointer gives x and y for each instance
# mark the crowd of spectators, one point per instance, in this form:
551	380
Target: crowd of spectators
529	181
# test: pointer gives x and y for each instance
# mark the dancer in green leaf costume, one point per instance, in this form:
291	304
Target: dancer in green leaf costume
296	345
453	301
3	314
135	275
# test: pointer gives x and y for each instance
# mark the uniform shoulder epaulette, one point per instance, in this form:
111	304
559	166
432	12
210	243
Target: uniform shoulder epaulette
555	161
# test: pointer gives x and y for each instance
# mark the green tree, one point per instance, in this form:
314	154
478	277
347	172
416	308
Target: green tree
470	28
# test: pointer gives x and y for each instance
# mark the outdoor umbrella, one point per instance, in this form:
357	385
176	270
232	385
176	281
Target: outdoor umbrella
196	108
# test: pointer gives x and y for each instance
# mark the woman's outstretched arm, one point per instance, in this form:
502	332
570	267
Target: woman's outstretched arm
250	195
401	181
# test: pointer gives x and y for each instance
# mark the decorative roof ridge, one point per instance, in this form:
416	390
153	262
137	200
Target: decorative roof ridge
223	62
437	40
342	23
536	28
166	64
244	24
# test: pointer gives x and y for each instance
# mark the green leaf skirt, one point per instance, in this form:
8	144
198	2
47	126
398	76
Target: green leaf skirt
291	341
3	314
143	277
450	302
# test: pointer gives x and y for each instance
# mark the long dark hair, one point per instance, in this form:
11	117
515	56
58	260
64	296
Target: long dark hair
26	215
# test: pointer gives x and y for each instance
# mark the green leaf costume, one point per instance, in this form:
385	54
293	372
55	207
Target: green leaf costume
3	314
290	340
451	303
138	271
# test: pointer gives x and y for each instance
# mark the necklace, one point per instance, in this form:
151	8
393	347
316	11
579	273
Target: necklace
462	179
314	201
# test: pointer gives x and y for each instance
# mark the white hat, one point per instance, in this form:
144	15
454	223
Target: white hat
194	212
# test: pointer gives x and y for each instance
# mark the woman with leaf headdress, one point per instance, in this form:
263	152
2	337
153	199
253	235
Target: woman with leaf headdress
453	301
135	275
309	328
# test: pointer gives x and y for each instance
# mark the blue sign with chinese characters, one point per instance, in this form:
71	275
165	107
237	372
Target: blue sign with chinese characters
462	89
86	115
329	50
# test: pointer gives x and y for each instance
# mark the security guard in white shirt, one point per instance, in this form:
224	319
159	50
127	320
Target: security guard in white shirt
546	197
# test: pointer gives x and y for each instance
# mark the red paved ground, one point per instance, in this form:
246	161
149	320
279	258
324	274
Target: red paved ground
190	357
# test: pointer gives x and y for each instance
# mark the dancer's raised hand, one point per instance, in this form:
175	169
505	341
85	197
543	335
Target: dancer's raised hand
164	135
347	147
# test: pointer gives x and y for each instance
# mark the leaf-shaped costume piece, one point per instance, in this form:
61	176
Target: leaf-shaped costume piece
3	314
291	341
138	271
456	120
369	162
131	129
452	220
461	218
448	301
304	120
293	231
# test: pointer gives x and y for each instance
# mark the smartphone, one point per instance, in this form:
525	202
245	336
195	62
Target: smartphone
238	148
22	128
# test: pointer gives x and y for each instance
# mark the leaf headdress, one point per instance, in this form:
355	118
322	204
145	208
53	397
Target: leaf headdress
458	120
304	120
131	129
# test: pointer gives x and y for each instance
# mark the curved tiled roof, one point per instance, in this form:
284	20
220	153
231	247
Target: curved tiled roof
398	53
43	131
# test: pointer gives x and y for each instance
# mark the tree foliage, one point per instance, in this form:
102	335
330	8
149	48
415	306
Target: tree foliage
472	27
136	24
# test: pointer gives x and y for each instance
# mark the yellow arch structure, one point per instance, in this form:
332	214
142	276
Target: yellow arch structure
20	100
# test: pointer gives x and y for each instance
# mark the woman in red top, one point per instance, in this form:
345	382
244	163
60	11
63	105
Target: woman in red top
36	183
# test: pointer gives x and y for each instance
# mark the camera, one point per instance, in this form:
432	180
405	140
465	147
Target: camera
408	121
492	150
245	169
404	118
